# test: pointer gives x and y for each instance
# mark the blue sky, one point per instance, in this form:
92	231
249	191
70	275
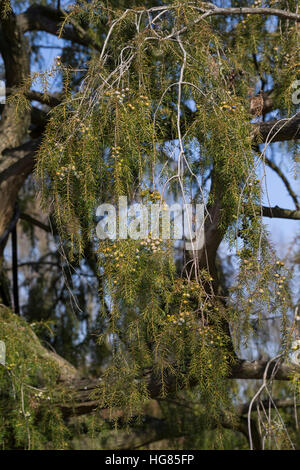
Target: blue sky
282	231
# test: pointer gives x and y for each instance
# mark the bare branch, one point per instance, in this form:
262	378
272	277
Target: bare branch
35	222
215	11
278	212
284	180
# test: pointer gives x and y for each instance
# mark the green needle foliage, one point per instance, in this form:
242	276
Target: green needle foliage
107	139
163	103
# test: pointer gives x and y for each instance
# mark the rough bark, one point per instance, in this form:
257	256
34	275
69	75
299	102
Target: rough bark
277	131
13	128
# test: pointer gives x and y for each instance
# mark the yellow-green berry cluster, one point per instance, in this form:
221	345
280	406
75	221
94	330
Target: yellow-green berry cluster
210	336
119	95
153	245
144	100
65	170
180	319
116	257
152	196
227	106
115	153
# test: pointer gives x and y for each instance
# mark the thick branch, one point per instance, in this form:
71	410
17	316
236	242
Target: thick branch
83	389
277	131
49	100
19	161
283	403
278	212
17	164
35	222
255	370
287	15
44	18
213	10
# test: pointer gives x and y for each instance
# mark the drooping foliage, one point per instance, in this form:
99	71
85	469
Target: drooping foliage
161	79
161	112
28	390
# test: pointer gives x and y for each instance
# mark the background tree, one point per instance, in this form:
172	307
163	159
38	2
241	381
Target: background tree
159	102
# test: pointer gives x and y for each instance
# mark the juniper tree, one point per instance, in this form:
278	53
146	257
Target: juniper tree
157	102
